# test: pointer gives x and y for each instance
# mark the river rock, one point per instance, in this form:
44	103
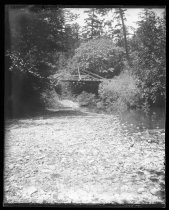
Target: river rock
27	175
12	178
11	166
153	191
40	199
7	188
95	152
140	190
30	190
45	170
117	198
126	197
124	188
55	196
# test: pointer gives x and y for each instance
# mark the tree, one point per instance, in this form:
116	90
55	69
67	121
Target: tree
98	56
121	12
8	105
93	27
37	33
149	57
119	32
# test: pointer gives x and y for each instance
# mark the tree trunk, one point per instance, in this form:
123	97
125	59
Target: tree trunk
125	37
8	88
92	23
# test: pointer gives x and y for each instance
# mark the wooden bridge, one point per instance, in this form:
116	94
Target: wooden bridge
83	81
84	76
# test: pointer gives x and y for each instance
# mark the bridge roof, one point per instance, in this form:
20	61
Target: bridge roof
84	76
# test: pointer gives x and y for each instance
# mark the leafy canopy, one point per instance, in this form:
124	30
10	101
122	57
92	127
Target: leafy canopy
99	56
149	56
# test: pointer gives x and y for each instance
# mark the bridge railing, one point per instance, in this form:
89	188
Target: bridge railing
83	77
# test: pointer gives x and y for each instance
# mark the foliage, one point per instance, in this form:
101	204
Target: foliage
50	98
86	99
116	28
149	58
37	36
94	26
120	92
99	56
24	95
26	64
44	45
66	90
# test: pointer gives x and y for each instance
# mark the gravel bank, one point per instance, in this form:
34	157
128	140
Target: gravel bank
82	159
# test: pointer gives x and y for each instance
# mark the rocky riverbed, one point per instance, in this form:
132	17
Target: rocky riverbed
82	158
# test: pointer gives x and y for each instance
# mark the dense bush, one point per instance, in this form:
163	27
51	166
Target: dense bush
41	44
149	58
50	98
35	42
86	99
119	93
99	56
66	91
24	94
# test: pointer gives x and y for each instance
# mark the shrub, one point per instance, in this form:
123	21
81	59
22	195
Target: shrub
86	99
148	48
119	93
100	105
99	56
50	98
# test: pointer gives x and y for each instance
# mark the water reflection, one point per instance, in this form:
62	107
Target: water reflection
148	133
138	121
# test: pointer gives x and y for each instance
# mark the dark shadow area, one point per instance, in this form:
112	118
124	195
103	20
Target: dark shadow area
158	177
45	114
77	87
63	113
88	205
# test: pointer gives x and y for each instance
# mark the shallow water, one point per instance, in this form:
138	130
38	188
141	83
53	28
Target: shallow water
148	129
138	121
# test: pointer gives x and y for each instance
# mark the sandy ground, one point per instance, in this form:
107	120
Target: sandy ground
82	158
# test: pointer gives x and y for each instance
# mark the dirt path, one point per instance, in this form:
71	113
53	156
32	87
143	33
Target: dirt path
83	158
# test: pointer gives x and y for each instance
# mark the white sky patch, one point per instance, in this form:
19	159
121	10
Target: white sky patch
132	15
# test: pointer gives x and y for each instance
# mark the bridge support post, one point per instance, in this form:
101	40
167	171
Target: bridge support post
79	73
